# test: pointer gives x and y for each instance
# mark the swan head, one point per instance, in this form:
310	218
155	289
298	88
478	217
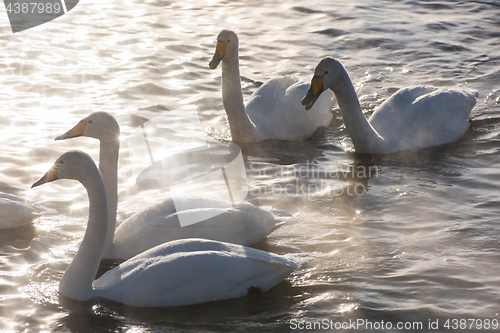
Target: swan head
98	125
226	47
71	165
328	74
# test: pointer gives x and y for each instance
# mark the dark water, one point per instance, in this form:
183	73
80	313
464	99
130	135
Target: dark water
409	238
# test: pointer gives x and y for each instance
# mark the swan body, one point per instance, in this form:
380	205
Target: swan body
177	273
243	224
273	111
199	271
16	212
411	119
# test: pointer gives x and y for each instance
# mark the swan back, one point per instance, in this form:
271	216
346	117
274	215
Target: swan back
194	271
423	116
276	111
15	212
243	224
260	104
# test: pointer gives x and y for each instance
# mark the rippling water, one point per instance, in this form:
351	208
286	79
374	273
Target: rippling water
409	237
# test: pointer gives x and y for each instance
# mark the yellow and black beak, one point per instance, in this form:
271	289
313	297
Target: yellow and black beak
50	176
313	92
220	52
75	131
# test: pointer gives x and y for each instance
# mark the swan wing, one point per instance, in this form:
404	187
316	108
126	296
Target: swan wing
261	102
243	224
276	110
392	109
291	121
420	117
15	212
194	271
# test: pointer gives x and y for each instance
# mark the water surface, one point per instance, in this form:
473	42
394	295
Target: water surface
409	237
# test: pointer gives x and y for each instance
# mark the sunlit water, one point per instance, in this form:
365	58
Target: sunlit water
410	237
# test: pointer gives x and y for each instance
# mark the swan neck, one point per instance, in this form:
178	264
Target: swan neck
364	137
76	282
108	166
242	128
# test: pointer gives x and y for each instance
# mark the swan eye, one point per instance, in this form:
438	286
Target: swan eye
90	121
326	73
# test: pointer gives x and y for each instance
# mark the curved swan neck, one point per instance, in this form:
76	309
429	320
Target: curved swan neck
108	165
76	282
364	137
242	128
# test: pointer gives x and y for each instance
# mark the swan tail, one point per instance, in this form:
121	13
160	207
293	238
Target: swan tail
298	259
281	213
16	211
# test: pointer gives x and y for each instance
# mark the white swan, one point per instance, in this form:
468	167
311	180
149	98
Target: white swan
411	119
273	111
243	224
176	273
16	212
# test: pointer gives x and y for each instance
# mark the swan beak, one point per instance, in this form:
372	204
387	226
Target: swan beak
220	52
313	92
50	176
75	131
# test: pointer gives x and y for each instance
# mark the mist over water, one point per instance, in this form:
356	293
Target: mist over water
407	237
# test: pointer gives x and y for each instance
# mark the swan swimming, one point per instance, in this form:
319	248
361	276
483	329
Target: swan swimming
411	119
16	212
243	224
177	273
273	111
